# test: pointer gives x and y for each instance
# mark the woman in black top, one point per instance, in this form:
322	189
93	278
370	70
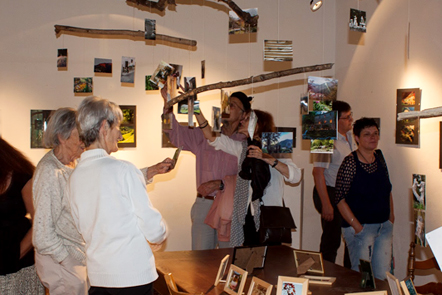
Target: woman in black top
17	273
363	197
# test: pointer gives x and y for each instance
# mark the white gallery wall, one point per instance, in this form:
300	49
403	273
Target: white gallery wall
369	67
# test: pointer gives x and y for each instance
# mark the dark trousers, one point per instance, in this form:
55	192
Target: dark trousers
137	290
331	230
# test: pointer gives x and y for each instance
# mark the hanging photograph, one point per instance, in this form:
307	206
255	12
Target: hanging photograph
279	142
83	85
407	131
419	227
322	88
225	103
320	125
190	84
177	72
238	26
159	77
304	103
357	20
216	119
62	58
128	126
321	146
149	85
203	69
103	65
418	189
39	122
149	29
322	105
127	69
278	50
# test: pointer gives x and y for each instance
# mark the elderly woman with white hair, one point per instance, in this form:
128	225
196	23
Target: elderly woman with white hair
111	207
59	247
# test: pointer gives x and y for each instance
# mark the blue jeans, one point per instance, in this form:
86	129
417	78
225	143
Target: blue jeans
373	243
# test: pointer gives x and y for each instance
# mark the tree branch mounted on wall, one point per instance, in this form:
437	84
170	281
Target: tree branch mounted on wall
161	6
137	34
428	113
253	79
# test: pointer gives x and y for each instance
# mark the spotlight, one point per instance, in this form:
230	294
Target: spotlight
315	4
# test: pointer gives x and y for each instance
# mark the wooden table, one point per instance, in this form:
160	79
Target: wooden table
195	272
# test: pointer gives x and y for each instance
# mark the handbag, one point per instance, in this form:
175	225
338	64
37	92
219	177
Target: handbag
276	224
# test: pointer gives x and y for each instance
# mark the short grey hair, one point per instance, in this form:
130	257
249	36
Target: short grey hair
91	113
61	123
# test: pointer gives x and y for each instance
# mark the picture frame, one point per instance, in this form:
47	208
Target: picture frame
301	256
128	126
221	270
393	282
249	258
408	130
369	293
280	142
259	287
366	270
408	286
236	279
286	286
39	120
319	280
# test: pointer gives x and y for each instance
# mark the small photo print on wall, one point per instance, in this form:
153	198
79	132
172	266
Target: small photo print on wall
150	29
280	142
83	85
128	126
62	58
320	88
238	26
304	103
103	65
278	50
322	105
418	189
320	125
358	20
39	122
149	85
159	76
127	69
407	131
321	146
419	225
177	72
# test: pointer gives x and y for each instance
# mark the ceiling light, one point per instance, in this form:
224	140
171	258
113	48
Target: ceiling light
315	4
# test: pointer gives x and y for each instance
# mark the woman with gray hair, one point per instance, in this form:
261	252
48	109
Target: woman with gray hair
59	247
111	207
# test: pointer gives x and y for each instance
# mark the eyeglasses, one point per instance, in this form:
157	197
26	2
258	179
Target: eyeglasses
349	117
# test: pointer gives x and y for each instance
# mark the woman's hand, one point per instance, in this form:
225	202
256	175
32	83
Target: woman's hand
255	152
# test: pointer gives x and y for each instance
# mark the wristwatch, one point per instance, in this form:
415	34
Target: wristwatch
275	163
221	186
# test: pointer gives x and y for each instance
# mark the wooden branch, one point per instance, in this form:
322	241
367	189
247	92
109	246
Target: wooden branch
253	79
129	33
161	6
428	113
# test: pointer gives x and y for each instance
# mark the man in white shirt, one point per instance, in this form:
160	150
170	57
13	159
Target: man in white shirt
325	170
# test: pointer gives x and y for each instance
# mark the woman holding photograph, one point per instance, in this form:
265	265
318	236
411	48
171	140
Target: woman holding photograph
245	219
363	197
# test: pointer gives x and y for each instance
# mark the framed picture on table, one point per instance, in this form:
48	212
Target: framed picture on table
249	258
291	286
259	287
393	282
236	279
221	270
408	286
369	293
302	256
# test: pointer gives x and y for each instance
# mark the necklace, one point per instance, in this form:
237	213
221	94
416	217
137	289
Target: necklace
368	162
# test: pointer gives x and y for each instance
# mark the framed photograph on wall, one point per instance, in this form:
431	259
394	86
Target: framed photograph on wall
236	279
128	126
39	122
301	256
407	131
259	287
222	269
291	285
393	282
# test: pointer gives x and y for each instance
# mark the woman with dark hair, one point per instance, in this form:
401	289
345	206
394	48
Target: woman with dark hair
363	197
245	219
17	270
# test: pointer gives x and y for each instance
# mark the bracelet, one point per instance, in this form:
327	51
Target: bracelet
204	124
275	163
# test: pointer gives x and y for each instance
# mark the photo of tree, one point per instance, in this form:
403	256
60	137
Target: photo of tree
238	26
278	142
149	85
320	88
322	146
